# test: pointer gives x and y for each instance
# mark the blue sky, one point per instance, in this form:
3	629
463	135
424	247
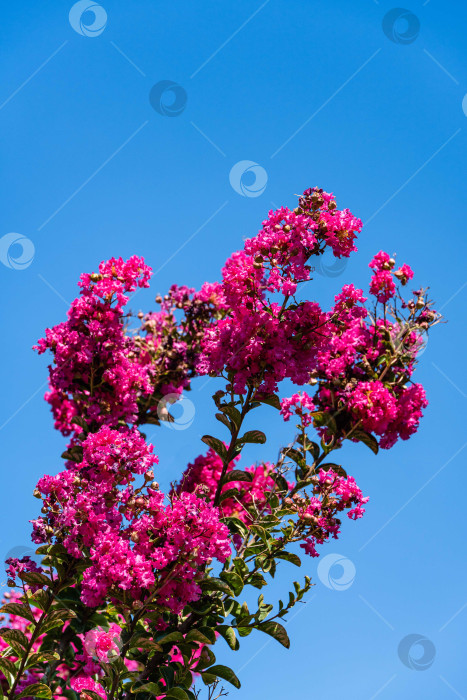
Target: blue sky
313	94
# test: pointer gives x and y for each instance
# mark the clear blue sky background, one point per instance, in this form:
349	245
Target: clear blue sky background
91	170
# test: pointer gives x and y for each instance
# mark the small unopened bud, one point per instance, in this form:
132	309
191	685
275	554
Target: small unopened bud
158	299
149	475
134	537
288	501
36	493
140	315
420	303
44	509
155	486
140	501
392	262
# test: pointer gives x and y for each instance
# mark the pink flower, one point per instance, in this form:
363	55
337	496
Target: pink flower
103	645
82	683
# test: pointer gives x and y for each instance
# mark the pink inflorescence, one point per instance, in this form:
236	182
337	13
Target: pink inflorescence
135	540
332	495
265	339
94	373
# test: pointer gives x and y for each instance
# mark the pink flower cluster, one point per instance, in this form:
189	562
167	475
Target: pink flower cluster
382	283
18	566
355	381
94	375
263	341
332	494
134	541
103	645
202	477
299	404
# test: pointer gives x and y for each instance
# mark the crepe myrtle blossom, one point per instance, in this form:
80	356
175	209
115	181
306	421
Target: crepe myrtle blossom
135	586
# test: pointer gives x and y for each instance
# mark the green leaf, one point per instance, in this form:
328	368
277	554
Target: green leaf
230	493
42	657
171	638
234	580
229	635
280	481
215	584
271	400
38	690
277	631
238	525
256	436
295	455
51	624
74	454
288	556
10	635
8	666
208	678
237	475
79	420
152	688
40	599
145	643
367	439
336	468
216	444
223	419
225	673
18	609
92	694
234	415
35	578
177	694
322	419
197	636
